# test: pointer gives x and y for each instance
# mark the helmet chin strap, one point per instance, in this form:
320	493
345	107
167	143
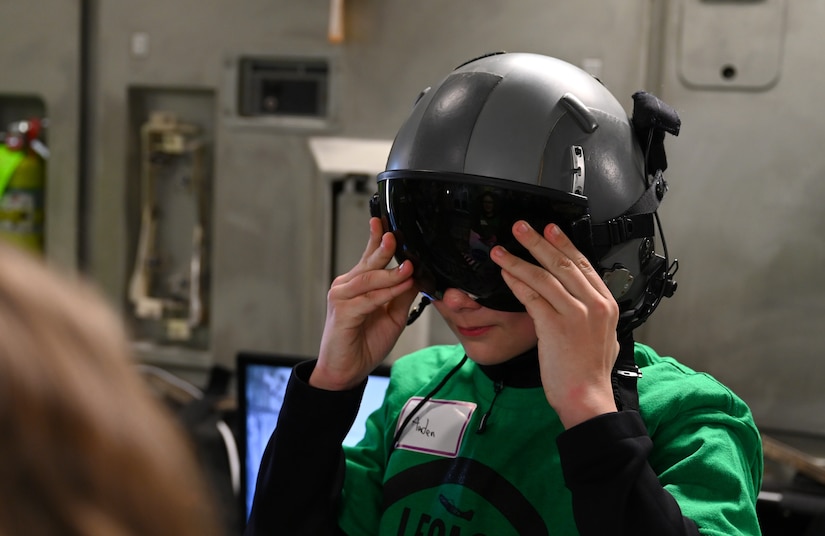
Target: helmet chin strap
625	375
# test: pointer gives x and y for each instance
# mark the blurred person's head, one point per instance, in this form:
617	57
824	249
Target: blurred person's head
86	449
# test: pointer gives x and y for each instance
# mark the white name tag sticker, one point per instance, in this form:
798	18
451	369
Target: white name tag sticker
436	428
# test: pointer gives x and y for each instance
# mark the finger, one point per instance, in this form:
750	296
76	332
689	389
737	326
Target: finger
537	305
555	278
556	237
399	307
536	288
381	247
374	240
377	254
366	291
570	267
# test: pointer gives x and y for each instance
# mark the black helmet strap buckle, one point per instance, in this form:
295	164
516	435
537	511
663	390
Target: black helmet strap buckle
619	230
637	222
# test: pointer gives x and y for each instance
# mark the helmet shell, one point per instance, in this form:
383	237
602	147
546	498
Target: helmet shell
540	121
517	116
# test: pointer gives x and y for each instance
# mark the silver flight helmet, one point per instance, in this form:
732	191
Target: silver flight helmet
511	136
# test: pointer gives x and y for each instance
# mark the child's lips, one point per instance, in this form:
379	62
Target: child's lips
473	331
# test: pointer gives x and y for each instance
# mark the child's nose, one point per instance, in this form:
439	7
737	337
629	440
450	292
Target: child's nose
458	299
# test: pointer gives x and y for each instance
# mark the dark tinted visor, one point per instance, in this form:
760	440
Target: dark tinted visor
446	225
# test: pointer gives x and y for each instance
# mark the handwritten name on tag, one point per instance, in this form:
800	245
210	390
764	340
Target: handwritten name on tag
437	428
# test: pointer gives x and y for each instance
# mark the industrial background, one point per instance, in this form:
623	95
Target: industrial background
208	162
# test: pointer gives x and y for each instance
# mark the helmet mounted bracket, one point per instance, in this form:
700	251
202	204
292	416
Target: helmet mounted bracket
577	169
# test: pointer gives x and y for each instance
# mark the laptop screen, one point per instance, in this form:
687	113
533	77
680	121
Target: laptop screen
261	384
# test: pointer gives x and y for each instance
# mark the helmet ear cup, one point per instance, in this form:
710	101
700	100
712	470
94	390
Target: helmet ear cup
659	284
622	272
619	280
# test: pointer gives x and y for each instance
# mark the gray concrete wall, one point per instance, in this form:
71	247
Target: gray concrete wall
269	275
744	213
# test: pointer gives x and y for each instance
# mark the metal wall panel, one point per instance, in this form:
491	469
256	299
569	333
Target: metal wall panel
744	217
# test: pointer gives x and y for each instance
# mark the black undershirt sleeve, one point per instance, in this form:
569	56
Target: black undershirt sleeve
615	491
301	475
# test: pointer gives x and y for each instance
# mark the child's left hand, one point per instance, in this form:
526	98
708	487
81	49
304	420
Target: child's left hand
575	317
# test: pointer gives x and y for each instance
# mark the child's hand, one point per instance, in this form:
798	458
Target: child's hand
575	317
367	310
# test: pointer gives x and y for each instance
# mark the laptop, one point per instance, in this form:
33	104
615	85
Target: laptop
261	383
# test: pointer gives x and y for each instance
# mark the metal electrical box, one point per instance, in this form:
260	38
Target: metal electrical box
283	87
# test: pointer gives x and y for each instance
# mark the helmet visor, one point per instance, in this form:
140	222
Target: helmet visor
446	225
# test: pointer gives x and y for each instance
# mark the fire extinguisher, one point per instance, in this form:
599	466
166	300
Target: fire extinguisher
23	185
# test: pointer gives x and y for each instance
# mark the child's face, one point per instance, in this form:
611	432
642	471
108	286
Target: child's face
489	337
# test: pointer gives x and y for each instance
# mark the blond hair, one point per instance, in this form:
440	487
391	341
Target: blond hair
86	449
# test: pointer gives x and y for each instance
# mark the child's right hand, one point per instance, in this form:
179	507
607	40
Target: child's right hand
367	310
575	317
